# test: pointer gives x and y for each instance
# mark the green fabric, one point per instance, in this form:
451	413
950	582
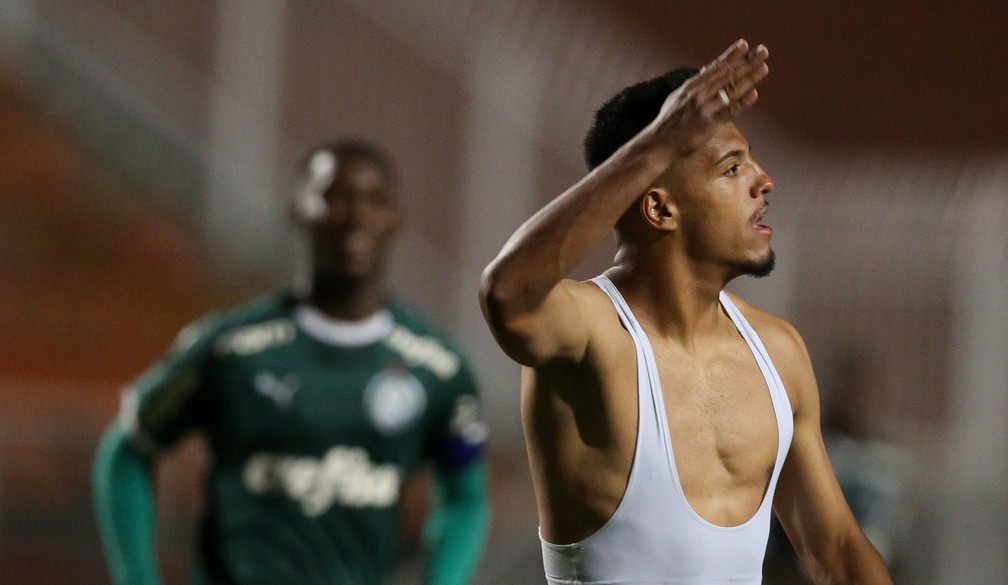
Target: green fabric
124	504
456	529
310	442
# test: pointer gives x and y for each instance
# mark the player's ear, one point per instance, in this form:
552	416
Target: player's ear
658	210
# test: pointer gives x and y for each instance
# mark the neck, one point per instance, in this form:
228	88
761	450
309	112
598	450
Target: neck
344	297
671	296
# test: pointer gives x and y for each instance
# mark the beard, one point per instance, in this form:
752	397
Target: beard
760	268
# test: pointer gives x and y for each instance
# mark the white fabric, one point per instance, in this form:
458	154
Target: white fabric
344	333
655	537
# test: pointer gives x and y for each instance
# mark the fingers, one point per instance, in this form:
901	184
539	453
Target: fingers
719	91
728	84
737	49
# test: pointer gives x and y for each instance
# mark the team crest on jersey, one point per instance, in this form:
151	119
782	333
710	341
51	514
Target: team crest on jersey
394	399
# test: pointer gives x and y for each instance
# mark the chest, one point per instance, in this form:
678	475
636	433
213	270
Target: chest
308	397
720	412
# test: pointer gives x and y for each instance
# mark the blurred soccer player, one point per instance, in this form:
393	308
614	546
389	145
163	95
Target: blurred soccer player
316	407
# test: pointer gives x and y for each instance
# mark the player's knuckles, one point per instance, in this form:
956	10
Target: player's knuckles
696	104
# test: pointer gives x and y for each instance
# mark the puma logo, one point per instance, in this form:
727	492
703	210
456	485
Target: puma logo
280	390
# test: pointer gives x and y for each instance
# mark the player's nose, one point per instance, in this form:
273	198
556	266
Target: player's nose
763	184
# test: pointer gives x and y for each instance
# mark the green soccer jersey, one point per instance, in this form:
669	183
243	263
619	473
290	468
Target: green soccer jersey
313	425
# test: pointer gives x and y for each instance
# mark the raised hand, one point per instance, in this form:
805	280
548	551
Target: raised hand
720	91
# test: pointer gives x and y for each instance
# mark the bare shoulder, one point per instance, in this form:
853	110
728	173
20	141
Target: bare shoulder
597	309
777	333
589	294
785	345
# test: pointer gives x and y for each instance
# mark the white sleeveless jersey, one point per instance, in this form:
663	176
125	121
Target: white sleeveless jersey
654	536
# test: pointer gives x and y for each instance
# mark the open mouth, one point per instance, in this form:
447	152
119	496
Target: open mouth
757	219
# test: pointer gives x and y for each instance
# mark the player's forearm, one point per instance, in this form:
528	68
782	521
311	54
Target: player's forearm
124	506
853	561
456	531
864	564
550	244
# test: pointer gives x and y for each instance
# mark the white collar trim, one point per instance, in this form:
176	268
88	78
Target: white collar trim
345	333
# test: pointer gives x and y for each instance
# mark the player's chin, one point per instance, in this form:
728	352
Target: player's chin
760	267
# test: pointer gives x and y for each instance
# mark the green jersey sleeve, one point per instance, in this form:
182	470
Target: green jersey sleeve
458	440
171	397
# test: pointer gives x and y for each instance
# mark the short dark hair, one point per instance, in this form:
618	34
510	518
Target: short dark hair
628	112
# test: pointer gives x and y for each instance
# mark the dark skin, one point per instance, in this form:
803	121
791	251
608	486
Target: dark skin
350	233
350	238
688	201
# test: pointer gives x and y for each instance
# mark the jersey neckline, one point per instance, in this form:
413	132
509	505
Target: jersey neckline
343	333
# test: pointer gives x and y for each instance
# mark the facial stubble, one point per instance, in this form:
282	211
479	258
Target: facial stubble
760	268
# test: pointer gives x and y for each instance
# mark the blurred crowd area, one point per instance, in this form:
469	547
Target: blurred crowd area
144	156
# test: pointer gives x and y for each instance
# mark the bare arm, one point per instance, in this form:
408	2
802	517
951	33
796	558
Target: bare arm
809	502
534	314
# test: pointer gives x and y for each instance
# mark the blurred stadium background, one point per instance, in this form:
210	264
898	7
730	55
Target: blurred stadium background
146	147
